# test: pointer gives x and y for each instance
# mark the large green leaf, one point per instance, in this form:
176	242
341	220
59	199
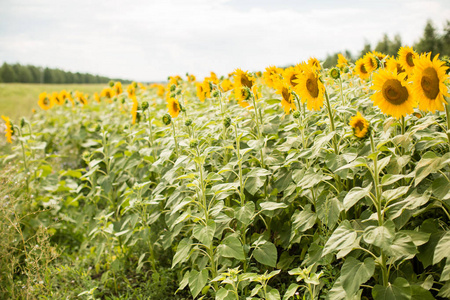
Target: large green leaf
244	214
380	236
266	254
341	238
231	247
355	195
197	280
304	219
429	163
399	290
182	254
442	249
355	272
205	233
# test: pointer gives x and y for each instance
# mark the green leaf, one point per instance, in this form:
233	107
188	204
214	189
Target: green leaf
225	294
231	247
266	254
355	195
197	280
413	201
204	233
444	292
272	205
428	164
273	294
342	237
419	293
402	247
182	253
393	194
253	184
442	249
290	292
380	236
446	271
354	273
258	172
245	213
303	220
399	290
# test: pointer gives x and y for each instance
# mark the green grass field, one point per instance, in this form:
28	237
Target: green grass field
18	99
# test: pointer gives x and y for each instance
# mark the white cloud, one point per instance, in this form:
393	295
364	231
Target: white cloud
149	40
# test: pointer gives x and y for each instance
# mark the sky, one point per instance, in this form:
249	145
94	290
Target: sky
150	40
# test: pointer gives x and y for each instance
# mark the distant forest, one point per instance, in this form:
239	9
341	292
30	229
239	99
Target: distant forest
431	41
32	74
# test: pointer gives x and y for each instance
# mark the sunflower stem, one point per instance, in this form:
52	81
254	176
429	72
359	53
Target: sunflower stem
447	112
150	132
175	138
24	158
342	94
238	154
330	114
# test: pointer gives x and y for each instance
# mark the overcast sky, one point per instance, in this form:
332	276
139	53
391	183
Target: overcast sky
149	40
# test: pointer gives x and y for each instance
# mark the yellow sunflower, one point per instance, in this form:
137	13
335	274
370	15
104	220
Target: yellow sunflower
118	88
428	83
290	75
226	85
55	98
406	56
361	70
287	99
360	125
107	93
9	130
271	75
242	78
394	65
45	102
206	88
200	92
314	63
342	61
81	97
191	78
381	57
174	107
213	78
134	109
131	90
96	97
393	94
370	62
310	89
64	95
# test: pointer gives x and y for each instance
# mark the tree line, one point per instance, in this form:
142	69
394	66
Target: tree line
431	41
32	74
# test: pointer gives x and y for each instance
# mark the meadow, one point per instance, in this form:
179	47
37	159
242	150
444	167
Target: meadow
295	183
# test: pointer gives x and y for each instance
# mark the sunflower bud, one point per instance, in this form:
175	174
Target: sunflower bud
245	91
98	128
188	122
173	87
181	107
22	122
134	84
111	83
227	122
85	156
193	143
296	114
167	119
122	100
216	94
145	105
335	73
345	69
172	95
126	127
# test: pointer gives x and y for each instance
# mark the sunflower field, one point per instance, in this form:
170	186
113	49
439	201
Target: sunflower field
295	183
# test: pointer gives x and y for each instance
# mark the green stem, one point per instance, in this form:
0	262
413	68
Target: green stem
333	128
342	94
25	164
151	132
175	138
238	154
447	112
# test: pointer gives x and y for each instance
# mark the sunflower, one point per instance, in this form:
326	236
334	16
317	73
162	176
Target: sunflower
206	88
131	90
310	89
271	75
55	98
342	61
174	107
81	97
242	95
314	63
287	100
360	125
191	78
118	88
200	92
134	109
213	78
226	85
9	129
107	93
394	65
406	56
290	75
64	95
393	94
242	78
381	57
370	62
428	83
96	97
45	102
361	70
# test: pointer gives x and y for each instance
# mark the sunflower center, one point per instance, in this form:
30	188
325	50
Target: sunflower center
291	80
245	81
312	86
46	101
175	106
286	95
359	125
394	92
362	69
409	59
430	83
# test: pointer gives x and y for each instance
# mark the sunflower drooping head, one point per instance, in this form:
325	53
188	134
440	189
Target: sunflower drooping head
360	125
392	94
200	92
174	107
290	75
429	83
311	89
287	99
9	131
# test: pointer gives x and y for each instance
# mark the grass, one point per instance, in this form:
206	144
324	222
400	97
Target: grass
18	99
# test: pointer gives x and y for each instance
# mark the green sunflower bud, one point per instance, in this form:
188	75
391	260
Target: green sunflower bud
193	143
167	119
188	122
111	83
145	105
86	156
216	94
22	122
335	73
173	87
172	95
296	114
227	122
179	92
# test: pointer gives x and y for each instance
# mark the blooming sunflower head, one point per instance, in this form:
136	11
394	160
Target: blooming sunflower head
287	99
271	75
428	83
226	85
406	57
314	63
290	75
381	57
392	94
310	89
361	70
243	78
118	88
45	101
371	62
394	65
342	61
9	131
55	98
243	95
174	107
134	110
81	97
359	125
200	92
